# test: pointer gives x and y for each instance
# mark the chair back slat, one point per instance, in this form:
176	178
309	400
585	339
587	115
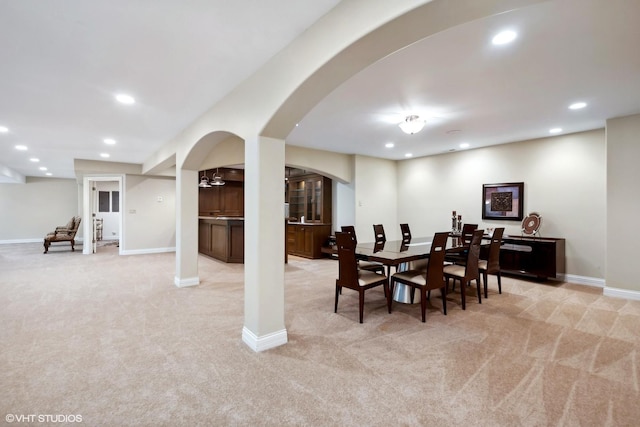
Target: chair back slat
493	261
378	232
406	232
347	264
435	274
473	255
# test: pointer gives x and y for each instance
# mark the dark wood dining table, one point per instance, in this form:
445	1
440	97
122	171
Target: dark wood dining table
398	253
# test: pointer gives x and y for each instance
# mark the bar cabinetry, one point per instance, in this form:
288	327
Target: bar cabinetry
222	238
306	240
533	256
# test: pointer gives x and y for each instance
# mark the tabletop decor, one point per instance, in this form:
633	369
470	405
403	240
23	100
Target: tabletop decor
503	201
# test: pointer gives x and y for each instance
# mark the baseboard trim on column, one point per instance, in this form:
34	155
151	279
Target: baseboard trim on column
621	293
183	283
264	342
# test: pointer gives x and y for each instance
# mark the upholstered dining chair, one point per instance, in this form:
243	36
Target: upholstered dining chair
428	279
378	232
63	233
491	265
405	232
363	265
468	272
349	276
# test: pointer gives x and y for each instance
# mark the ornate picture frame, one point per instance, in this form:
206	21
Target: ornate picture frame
503	201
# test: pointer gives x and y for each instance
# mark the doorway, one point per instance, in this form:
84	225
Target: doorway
103	206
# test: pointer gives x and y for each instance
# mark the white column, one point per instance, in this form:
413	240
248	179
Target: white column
264	235
186	228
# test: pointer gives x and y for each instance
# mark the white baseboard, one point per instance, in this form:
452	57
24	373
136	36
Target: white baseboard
621	293
264	342
184	283
9	242
147	251
583	280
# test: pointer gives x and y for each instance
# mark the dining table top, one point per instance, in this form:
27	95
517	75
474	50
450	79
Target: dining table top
395	252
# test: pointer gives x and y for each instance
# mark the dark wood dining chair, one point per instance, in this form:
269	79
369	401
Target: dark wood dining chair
349	276
468	272
363	265
378	233
429	279
406	232
459	256
491	265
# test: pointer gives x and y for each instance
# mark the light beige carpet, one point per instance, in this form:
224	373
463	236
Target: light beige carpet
111	338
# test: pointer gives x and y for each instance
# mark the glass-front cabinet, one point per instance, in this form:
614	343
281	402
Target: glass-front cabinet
309	198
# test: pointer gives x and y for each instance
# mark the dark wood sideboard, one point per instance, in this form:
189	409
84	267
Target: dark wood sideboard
540	257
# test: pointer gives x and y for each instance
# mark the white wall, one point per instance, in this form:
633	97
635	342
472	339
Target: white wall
564	179
376	197
623	202
149	224
29	211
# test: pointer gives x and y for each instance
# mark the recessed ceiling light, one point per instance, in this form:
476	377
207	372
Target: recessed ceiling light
464	145
408	155
4	129
577	105
125	99
42	168
21	147
504	37
34	160
105	155
555	130
389	145
48	174
109	141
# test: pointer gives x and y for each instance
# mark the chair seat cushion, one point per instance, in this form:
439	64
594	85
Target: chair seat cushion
414	276
454	270
366	277
482	264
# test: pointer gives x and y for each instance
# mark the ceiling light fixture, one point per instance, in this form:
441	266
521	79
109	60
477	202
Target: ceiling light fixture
104	155
504	37
389	145
464	145
555	130
412	124
42	168
216	180
21	147
34	160
4	129
48	174
577	105
109	141
123	98
408	155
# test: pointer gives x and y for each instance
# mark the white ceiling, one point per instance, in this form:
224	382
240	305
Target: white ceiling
63	60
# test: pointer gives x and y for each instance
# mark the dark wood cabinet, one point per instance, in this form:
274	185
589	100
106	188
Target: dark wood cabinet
224	200
222	239
309	196
533	256
306	240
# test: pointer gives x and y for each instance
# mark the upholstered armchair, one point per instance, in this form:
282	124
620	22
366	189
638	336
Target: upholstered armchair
63	233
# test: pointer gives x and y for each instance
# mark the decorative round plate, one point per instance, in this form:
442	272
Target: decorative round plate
531	223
